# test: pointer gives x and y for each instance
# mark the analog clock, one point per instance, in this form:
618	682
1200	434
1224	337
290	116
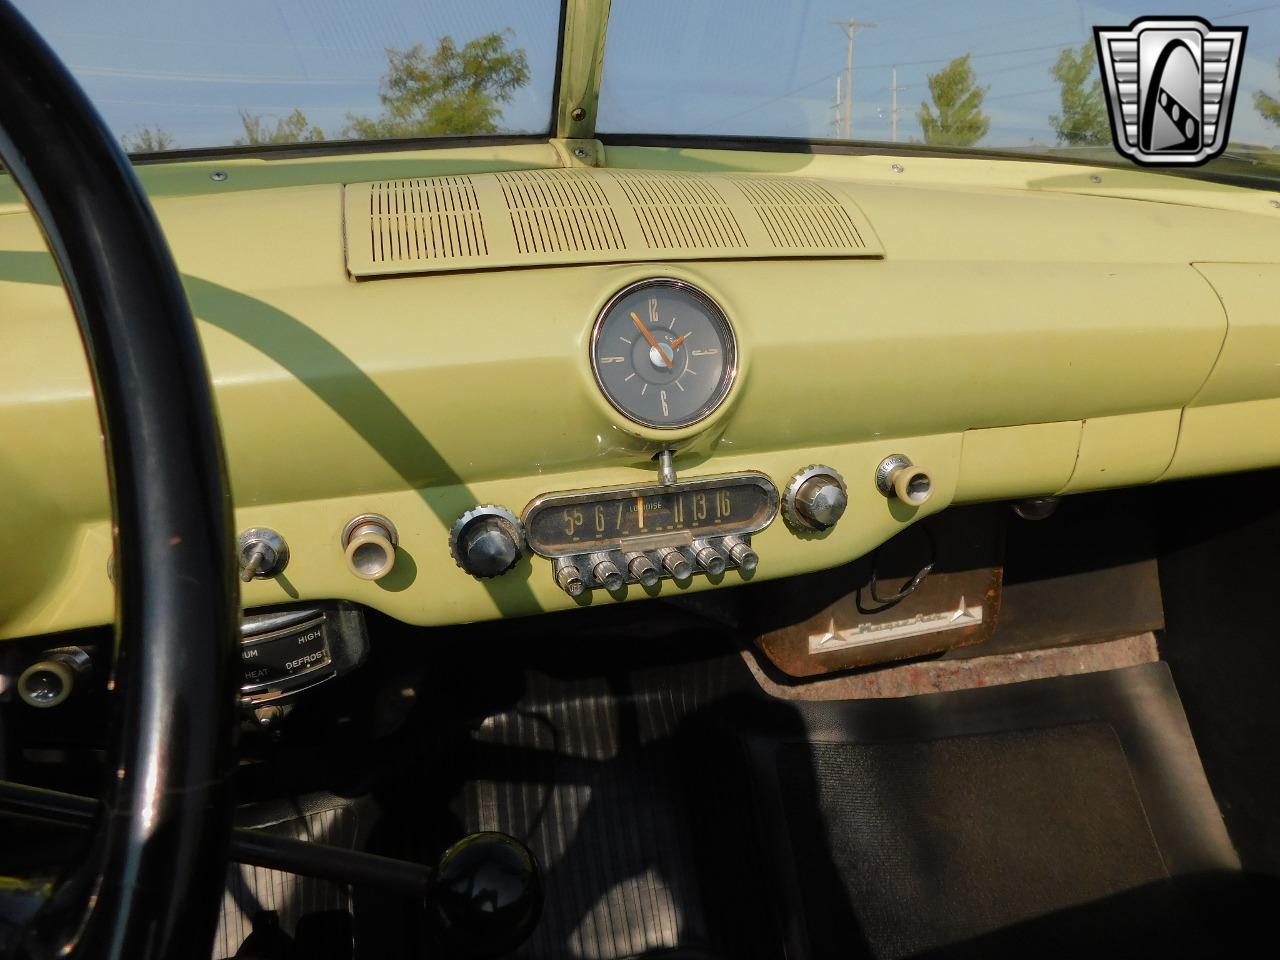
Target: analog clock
664	353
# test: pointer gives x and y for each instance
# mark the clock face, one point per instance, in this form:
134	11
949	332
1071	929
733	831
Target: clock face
664	354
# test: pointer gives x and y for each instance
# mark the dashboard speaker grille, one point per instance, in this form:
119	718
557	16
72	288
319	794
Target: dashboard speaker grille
680	212
557	210
546	218
437	218
799	213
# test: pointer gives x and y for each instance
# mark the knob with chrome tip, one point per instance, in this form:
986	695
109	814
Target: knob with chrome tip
897	477
674	563
486	895
569	578
740	552
641	568
606	572
815	498
708	557
487	541
369	545
262	554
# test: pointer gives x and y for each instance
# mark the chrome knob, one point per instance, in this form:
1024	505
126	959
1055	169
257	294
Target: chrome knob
262	553
708	557
741	553
641	568
606	572
569	577
486	541
674	563
816	498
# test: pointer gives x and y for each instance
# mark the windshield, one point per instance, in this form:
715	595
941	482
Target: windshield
185	74
993	74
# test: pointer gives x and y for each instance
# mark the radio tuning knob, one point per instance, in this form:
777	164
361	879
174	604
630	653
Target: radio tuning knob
815	498
486	541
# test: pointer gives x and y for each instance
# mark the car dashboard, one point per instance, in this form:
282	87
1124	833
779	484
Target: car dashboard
473	384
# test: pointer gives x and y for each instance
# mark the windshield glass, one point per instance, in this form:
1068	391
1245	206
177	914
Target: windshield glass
993	74
185	74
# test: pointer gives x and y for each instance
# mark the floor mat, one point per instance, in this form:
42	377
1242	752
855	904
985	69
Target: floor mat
678	807
930	822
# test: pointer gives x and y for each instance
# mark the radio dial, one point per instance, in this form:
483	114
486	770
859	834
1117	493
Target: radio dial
816	499
486	541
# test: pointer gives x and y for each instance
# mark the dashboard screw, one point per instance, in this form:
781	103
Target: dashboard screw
581	153
897	168
1276	204
1094	178
577	113
218	176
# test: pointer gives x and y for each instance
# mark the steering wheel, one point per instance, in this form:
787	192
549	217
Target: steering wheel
150	884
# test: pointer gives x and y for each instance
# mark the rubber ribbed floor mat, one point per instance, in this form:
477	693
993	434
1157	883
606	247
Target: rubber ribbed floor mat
333	821
681	808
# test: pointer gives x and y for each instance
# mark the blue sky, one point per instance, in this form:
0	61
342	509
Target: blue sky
683	66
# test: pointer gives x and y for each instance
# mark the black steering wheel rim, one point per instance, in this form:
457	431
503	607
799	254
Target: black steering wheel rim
150	887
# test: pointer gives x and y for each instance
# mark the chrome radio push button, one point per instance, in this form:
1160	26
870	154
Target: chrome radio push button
709	559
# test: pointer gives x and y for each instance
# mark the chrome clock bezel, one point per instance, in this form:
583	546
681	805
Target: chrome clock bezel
718	316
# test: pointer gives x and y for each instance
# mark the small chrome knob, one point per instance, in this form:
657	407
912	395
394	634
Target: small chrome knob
708	557
641	568
486	541
674	563
606	572
569	577
262	553
816	498
741	553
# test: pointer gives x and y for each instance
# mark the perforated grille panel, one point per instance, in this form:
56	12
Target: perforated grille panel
679	211
529	218
799	213
434	219
553	211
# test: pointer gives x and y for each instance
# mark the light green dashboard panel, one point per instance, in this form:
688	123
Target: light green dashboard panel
1013	339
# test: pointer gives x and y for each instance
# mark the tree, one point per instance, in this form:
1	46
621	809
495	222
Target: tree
147	140
1083	120
1268	105
449	91
295	128
958	120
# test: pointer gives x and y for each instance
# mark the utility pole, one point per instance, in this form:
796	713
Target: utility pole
894	88
850	28
836	119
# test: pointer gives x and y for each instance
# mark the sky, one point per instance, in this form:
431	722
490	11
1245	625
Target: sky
746	67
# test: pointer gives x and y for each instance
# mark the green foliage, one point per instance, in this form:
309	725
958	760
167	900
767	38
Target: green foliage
1083	121
451	91
1268	105
295	128
147	140
956	118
